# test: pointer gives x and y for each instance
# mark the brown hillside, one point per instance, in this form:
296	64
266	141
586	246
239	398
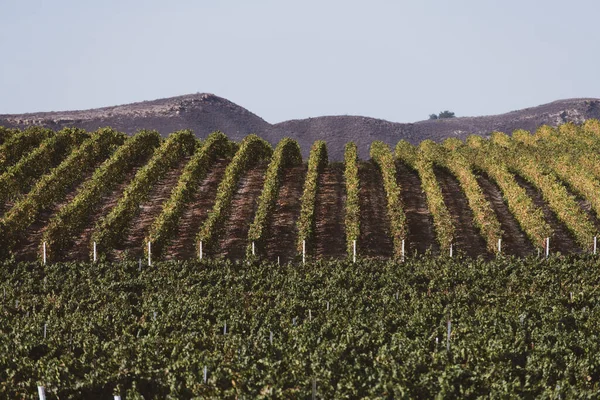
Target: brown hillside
204	113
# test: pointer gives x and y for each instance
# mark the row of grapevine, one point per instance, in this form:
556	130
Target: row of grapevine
432	328
6	134
287	154
164	227
112	228
352	218
53	186
69	222
19	177
484	217
487	159
571	143
252	150
19	144
442	219
548	146
383	157
554	193
317	162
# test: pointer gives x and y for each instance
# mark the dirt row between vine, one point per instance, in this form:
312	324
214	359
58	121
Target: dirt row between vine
421	232
330	231
375	239
234	236
133	245
468	239
562	240
283	231
514	240
184	246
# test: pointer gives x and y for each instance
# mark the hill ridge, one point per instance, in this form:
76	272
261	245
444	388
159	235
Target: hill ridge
204	113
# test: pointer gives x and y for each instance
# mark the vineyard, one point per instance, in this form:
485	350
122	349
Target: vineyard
178	267
79	196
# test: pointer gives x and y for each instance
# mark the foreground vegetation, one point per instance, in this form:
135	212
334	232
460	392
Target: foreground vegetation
448	327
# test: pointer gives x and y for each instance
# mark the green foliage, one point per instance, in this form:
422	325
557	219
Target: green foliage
381	154
252	150
520	328
446	114
489	159
6	134
112	228
317	162
352	220
484	217
53	186
420	162
562	203
164	227
19	143
287	154
68	223
19	177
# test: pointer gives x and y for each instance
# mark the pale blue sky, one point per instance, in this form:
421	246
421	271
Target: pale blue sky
397	60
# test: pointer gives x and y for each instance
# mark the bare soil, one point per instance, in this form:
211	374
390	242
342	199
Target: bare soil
283	231
133	245
421	232
468	239
234	239
330	232
375	238
562	240
514	240
183	246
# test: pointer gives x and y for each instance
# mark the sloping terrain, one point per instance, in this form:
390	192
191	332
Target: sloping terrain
204	113
435	204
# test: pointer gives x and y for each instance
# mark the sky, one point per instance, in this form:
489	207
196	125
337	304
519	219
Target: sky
396	60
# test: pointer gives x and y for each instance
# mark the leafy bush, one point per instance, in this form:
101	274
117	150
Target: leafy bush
381	154
352	220
317	162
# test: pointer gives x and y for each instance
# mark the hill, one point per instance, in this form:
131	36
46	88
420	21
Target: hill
204	113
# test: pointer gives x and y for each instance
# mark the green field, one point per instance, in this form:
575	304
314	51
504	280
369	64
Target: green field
519	328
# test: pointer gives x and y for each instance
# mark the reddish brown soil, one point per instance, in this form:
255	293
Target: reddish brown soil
468	240
183	245
421	233
29	247
330	233
133	245
514	240
234	239
562	240
81	248
283	231
375	239
5	207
